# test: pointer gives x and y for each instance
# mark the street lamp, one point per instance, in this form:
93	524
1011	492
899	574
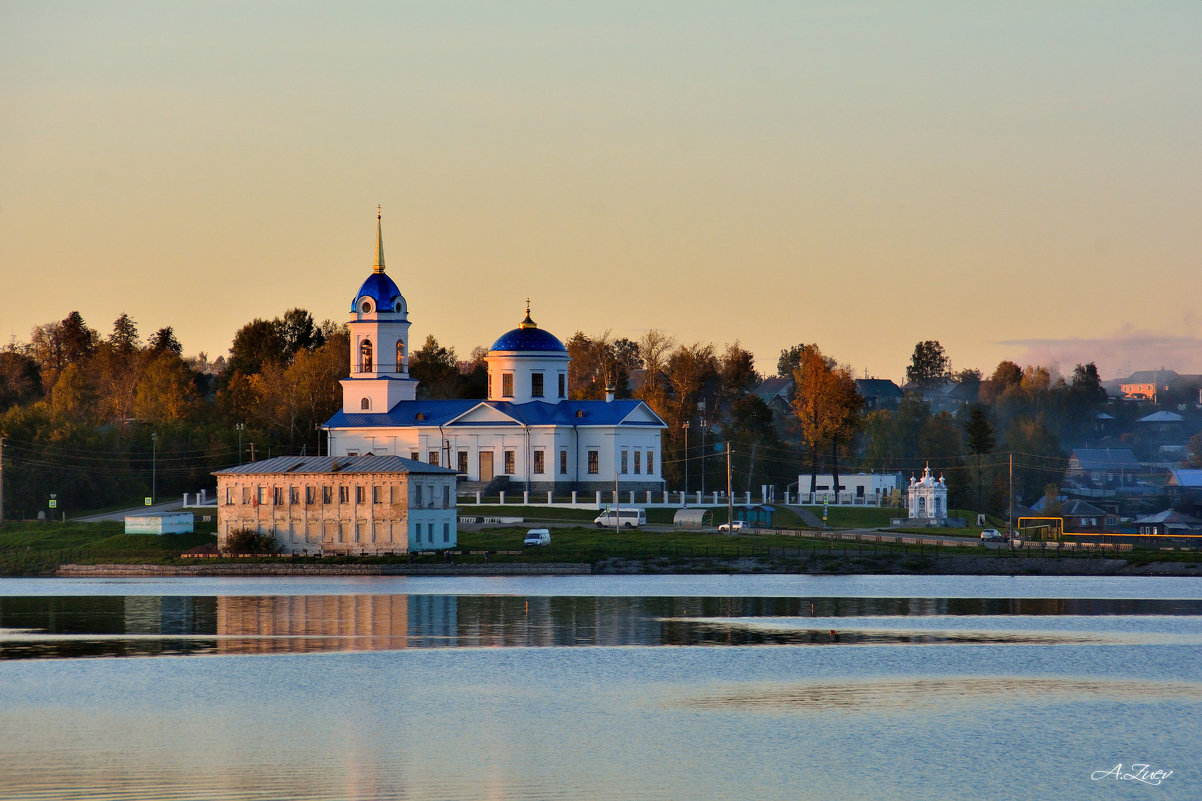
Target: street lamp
241	427
703	455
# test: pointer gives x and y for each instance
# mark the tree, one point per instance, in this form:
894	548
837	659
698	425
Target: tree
437	370
124	339
1193	452
164	341
256	343
1006	375
20	379
165	392
826	404
73	398
789	361
928	363
979	440
299	332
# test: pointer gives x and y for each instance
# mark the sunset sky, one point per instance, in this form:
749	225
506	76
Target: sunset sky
1017	180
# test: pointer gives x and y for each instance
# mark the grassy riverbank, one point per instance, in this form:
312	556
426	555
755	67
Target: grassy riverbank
39	548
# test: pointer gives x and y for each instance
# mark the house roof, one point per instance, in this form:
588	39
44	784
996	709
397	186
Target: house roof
1076	508
1169	516
1190	478
331	465
1161	417
1150	376
776	386
536	413
877	388
1099	459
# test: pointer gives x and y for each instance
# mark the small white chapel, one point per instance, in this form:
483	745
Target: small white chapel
526	434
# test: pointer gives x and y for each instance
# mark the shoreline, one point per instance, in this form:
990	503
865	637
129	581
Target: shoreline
952	564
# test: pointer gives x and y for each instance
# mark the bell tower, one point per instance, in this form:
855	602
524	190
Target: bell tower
379	343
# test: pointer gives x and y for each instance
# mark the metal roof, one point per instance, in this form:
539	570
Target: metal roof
528	339
332	465
535	413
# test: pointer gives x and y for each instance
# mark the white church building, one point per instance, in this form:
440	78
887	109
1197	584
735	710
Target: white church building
526	433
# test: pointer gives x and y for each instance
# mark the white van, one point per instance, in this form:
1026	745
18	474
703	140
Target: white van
538	536
625	518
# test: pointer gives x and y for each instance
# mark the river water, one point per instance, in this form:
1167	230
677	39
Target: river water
596	687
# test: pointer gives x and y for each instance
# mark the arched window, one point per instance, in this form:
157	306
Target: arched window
365	405
401	367
922	506
365	356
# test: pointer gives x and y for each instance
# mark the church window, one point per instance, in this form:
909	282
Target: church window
365	356
624	458
563	384
510	463
650	462
366	306
563	463
638	468
594	463
401	367
536	385
463	462
506	385
433	458
539	464
413	455
365	404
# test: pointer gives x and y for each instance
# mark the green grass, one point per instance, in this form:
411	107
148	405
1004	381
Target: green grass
30	548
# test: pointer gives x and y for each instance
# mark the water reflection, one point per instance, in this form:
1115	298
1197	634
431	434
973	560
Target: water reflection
908	694
122	626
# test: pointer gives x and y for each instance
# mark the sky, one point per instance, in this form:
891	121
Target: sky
1017	180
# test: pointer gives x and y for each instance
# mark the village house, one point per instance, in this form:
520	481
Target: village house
340	504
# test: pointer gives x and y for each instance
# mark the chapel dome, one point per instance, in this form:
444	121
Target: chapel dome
528	337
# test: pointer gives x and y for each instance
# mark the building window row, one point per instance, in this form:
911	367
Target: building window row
291	495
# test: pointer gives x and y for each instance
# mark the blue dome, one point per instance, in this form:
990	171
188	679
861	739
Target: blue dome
380	288
527	339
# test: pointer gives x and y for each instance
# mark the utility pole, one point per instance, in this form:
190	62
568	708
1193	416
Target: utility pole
730	501
1011	520
154	464
1	479
685	426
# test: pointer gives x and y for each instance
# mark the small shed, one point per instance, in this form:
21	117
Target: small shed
167	523
693	518
756	516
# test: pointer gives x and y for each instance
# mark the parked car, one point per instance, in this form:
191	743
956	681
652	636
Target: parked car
991	535
537	536
738	525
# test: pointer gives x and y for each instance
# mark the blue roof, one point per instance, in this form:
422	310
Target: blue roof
528	339
381	289
536	413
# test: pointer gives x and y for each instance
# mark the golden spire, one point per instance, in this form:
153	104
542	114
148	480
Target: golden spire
379	265
527	323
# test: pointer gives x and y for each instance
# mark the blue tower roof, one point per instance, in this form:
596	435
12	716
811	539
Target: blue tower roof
380	288
529	337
